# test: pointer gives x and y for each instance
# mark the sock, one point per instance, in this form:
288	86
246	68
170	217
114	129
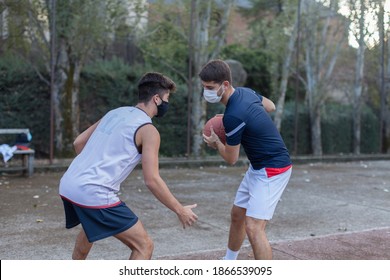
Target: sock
231	255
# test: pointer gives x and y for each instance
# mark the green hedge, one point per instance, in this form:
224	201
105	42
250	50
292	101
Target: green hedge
25	102
336	129
288	129
106	85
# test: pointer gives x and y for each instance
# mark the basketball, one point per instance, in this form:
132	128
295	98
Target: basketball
217	124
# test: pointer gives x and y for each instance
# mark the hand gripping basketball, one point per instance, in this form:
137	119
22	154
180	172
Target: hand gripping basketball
217	125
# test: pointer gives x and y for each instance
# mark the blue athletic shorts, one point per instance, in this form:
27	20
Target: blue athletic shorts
99	223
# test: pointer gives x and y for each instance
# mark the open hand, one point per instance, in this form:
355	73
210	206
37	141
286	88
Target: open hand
187	217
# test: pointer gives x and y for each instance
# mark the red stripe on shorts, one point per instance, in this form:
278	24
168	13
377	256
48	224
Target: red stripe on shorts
276	171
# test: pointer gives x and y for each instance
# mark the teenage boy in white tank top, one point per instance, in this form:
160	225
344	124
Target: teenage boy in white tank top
107	152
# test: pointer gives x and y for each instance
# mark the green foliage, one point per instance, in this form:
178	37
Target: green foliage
256	64
11	66
16	10
85	24
173	126
272	23
109	84
337	129
106	85
24	101
288	128
337	125
165	49
370	131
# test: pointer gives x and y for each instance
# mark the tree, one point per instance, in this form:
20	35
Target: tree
275	24
324	32
81	27
200	55
384	124
359	15
177	43
360	11
387	89
285	72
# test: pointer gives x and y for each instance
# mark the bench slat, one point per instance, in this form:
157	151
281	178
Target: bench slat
24	152
14	130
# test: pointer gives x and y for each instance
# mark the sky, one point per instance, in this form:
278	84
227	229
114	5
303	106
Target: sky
371	23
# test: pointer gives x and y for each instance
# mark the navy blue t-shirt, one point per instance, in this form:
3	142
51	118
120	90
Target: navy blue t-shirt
247	122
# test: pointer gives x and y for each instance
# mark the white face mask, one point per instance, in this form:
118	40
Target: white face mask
211	96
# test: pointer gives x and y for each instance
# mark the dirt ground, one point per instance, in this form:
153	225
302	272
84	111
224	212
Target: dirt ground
322	199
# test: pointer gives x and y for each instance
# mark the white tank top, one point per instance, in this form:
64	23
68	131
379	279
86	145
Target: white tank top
93	178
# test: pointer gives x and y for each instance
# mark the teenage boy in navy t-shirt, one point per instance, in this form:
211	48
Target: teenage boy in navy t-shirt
247	123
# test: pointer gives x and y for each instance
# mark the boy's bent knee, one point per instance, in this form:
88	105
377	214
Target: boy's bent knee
237	214
148	246
253	226
144	249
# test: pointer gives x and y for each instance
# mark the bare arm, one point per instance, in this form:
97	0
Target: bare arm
82	139
149	138
269	106
229	153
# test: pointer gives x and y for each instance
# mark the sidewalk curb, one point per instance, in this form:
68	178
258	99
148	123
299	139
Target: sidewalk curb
62	164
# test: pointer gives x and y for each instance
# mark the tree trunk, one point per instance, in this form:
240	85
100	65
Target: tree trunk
220	32
201	40
315	127
382	114
312	92
387	111
358	87
201	55
387	131
322	48
59	82
71	106
75	115
285	75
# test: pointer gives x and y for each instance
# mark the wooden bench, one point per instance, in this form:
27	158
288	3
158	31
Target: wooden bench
27	155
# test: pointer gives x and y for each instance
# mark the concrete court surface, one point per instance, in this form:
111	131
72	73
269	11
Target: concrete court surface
328	211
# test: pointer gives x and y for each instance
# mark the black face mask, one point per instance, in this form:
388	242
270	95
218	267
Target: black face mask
162	109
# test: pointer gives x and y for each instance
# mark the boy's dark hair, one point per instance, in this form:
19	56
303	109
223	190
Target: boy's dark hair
216	71
153	83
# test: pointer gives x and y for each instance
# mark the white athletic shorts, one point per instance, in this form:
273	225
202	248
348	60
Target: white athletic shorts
260	191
